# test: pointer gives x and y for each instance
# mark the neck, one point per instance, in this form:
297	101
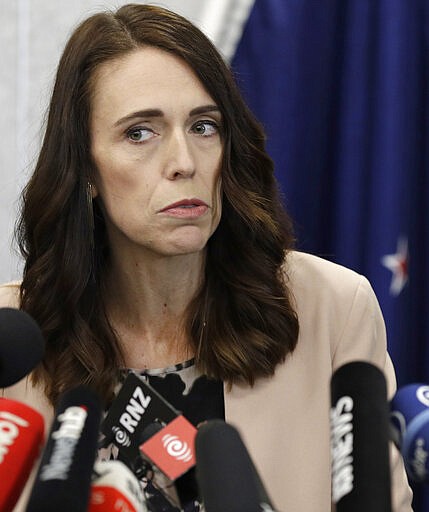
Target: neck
146	303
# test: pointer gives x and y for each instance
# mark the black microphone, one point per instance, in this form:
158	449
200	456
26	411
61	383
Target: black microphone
136	406
137	409
148	431
63	479
22	345
360	439
227	477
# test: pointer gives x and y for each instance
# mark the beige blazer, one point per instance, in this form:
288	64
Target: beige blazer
284	420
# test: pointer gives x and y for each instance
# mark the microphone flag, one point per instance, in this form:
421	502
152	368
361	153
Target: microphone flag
172	449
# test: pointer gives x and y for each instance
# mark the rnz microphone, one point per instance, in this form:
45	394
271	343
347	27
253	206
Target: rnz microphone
360	439
226	475
64	476
21	439
137	408
22	345
410	420
115	488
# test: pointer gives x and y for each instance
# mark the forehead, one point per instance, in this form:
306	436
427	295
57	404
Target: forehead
147	75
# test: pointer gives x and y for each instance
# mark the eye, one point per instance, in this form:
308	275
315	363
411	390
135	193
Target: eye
140	134
205	128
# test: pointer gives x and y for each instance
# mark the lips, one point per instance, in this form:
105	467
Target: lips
184	203
186	208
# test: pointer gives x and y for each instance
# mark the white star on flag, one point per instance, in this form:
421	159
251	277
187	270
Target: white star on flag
398	264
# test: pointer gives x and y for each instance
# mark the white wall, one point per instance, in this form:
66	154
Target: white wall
33	33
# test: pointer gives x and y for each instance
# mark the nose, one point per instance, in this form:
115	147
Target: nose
180	161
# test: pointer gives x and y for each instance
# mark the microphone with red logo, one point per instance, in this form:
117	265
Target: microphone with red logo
360	439
226	475
64	476
137	408
22	345
21	428
114	487
21	439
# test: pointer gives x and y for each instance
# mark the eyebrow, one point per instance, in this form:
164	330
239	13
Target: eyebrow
156	112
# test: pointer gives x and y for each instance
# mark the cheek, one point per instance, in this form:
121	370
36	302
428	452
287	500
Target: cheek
115	180
117	190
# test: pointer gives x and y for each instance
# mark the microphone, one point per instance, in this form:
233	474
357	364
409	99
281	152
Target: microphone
410	421
21	439
226	475
140	421
22	345
360	439
115	488
64	475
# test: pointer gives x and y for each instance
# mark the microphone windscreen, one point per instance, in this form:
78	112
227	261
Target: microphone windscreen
22	345
359	439
115	488
410	419
225	472
64	476
21	439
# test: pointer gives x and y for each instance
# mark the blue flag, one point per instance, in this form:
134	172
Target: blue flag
342	88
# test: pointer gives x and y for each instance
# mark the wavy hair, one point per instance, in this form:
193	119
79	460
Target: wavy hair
241	323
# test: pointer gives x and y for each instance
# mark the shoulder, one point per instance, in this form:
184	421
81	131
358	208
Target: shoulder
302	268
317	281
337	308
9	295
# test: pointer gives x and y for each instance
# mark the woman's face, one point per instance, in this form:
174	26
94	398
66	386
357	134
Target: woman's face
157	147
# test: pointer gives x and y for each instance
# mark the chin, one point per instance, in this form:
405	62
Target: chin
188	248
190	241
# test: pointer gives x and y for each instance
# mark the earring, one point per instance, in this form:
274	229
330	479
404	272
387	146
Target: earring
90	209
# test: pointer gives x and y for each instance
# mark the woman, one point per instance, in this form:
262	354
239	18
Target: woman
155	240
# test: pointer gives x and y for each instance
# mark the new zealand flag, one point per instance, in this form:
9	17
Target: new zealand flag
342	88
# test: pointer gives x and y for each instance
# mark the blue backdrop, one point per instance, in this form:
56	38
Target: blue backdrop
342	88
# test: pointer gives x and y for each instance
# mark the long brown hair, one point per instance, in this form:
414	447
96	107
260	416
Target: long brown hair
241	322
